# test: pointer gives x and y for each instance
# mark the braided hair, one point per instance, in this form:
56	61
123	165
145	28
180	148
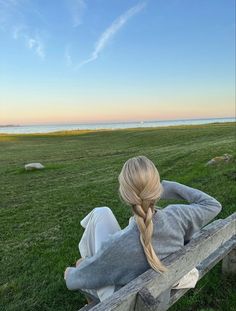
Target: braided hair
140	187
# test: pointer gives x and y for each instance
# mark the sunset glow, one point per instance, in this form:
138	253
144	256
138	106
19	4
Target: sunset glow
75	61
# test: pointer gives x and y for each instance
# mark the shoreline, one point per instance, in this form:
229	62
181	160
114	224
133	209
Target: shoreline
114	122
85	131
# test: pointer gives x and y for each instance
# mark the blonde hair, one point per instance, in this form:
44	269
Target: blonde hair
140	187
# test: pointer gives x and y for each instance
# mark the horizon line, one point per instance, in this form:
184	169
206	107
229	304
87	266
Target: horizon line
115	122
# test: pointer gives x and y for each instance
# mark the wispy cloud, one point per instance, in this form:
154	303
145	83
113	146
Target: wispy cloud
68	56
17	31
6	9
14	22
77	8
110	32
35	44
8	3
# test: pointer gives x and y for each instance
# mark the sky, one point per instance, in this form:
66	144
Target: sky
75	61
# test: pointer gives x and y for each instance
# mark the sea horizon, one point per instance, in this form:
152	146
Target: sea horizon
55	127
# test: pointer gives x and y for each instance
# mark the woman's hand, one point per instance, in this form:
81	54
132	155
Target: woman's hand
67	269
65	273
79	261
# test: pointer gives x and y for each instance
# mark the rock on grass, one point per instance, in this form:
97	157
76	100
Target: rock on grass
33	166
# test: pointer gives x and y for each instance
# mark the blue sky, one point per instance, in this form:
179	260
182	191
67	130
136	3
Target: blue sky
112	60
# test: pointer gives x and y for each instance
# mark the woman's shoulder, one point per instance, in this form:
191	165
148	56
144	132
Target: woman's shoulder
128	232
167	219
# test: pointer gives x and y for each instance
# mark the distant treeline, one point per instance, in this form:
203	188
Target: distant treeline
9	125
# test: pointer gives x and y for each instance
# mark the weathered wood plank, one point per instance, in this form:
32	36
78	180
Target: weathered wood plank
88	306
206	266
198	249
229	263
145	301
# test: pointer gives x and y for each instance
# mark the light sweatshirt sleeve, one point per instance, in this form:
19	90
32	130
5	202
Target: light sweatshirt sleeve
202	207
109	266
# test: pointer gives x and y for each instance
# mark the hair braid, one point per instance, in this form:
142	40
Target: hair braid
145	225
140	187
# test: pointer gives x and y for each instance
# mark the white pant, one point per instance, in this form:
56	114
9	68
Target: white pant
99	224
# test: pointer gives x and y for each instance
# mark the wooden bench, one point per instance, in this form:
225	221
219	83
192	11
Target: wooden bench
213	243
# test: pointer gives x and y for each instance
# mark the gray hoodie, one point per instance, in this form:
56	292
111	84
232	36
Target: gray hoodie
121	258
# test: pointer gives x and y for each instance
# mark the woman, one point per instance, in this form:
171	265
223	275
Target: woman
112	257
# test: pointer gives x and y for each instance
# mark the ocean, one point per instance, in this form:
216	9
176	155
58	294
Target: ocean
47	128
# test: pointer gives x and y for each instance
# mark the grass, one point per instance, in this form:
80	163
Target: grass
40	211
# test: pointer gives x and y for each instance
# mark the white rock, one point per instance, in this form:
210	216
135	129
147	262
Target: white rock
225	158
33	166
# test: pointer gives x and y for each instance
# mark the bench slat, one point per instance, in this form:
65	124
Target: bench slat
146	301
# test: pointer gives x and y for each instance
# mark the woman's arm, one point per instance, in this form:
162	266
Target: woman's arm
202	207
175	190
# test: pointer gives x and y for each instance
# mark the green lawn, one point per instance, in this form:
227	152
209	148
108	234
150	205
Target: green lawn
40	211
